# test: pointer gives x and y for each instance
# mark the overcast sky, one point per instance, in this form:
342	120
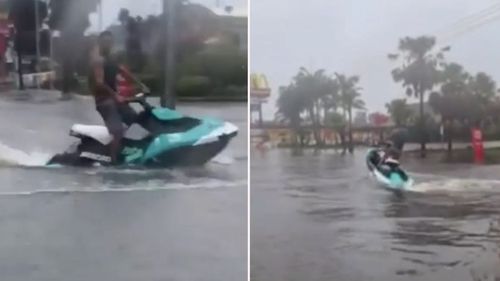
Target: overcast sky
355	36
148	7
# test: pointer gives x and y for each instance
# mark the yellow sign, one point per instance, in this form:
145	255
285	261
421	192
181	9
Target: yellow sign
258	82
259	87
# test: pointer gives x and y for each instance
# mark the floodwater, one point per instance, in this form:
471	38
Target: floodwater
108	224
320	217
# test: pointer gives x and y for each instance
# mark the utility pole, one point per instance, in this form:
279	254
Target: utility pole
169	12
100	15
37	40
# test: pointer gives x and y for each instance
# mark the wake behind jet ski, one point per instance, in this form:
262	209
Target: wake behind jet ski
166	138
387	172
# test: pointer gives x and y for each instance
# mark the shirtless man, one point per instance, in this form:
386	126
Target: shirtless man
112	107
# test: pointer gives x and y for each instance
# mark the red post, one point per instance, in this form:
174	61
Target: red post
477	145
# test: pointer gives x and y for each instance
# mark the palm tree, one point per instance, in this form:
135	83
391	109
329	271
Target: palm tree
399	111
337	121
453	100
290	106
314	87
418	72
483	89
350	99
330	101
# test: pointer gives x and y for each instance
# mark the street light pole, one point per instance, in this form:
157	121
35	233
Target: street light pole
100	16
37	40
169	12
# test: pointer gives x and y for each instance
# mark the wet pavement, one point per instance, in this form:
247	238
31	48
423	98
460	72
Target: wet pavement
109	224
319	217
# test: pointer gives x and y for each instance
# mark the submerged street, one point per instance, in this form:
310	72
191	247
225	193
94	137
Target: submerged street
115	224
320	217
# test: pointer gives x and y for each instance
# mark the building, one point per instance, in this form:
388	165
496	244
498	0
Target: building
237	26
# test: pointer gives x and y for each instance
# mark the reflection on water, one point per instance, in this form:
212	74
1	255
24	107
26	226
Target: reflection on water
321	216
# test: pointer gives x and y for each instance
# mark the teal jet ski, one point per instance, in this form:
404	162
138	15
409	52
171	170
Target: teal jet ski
164	138
388	174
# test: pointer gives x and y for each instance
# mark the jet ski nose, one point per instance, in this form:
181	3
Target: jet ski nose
229	129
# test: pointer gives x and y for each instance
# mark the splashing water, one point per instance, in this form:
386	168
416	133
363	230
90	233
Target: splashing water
15	157
456	185
223	159
11	157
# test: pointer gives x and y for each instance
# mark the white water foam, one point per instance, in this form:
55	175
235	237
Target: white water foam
456	185
149	186
223	159
16	157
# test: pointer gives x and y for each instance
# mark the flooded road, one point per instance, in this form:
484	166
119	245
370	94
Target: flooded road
109	224
321	217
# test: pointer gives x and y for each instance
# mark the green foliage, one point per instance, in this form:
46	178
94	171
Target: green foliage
71	16
312	96
335	120
419	71
223	65
399	111
22	13
215	69
154	82
194	86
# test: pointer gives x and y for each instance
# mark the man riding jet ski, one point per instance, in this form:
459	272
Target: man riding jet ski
164	138
383	163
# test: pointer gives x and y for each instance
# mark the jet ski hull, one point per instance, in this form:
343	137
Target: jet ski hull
90	153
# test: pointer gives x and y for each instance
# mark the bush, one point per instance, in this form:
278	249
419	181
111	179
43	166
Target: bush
194	86
223	65
231	91
154	82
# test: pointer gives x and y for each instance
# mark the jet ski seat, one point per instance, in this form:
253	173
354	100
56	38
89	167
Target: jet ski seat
99	133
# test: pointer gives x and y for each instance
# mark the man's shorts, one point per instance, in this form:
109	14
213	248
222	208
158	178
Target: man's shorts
115	114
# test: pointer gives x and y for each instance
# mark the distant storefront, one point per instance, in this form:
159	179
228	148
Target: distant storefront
278	134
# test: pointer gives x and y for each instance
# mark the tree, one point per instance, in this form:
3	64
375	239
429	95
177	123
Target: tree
419	71
337	121
453	101
133	44
483	89
71	19
399	111
314	87
349	99
22	14
290	105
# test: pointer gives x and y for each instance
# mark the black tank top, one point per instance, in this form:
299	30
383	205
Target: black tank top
110	72
110	68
